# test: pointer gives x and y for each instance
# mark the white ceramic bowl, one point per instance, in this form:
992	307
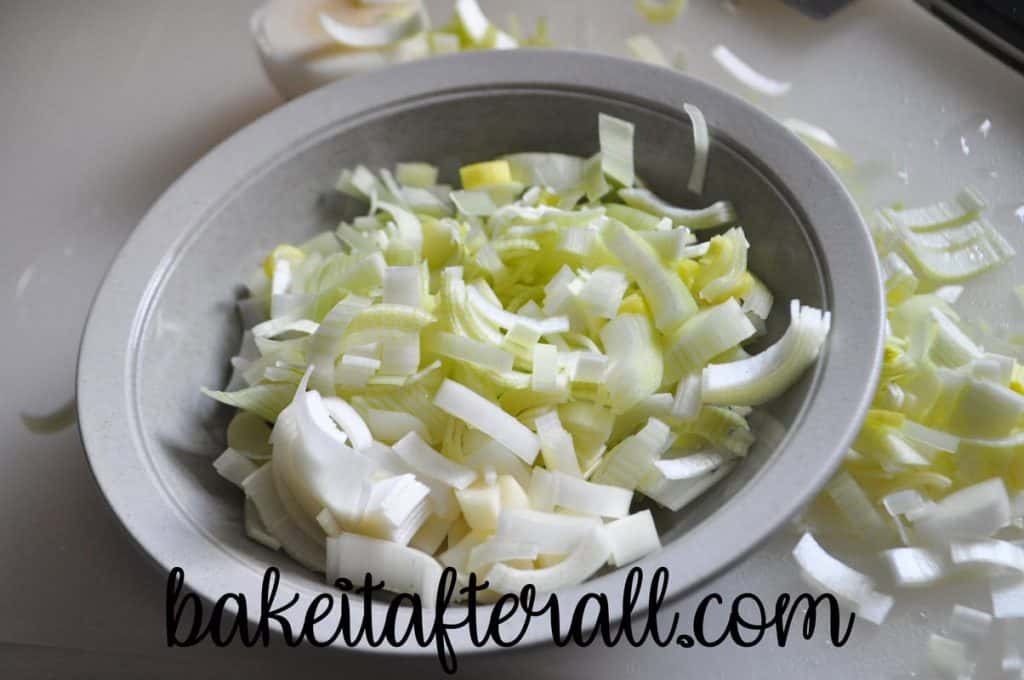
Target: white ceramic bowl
163	323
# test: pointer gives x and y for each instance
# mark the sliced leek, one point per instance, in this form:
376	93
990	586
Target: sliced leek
484	375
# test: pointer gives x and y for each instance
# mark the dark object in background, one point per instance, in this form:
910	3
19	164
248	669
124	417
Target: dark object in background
994	25
818	9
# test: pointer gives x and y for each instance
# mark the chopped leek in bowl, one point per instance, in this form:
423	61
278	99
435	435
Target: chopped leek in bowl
459	364
164	324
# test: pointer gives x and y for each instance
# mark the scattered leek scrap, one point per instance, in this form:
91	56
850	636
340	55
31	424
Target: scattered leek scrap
54	421
485	376
821	142
644	48
750	78
349	37
824	572
377	35
660	11
941	449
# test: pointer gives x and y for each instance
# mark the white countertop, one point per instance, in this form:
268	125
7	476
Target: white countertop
103	104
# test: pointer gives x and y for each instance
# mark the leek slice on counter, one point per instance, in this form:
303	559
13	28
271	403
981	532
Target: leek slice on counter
661	11
643	48
823	571
744	73
377	35
916	567
484	375
936	471
949	658
821	142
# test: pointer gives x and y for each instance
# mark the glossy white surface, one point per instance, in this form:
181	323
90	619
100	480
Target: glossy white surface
105	103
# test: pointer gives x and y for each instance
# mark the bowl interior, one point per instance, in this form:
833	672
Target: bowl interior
191	329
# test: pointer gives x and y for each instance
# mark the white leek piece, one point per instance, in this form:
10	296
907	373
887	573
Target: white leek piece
551	533
354	371
589	555
396	508
556	445
402	569
701	146
688	397
259	488
961	264
403	286
603	291
730	267
811	132
325	471
422	458
233	466
675	494
857	509
708	333
742	72
642	47
409	227
661	11
250	435
468	350
635	363
390	426
494	551
486	416
381	34
916	567
715	215
822	571
1008	597
555	171
281	325
966	205
948	658
669	299
266	401
991	554
508	320
588	498
632	537
474	203
325	345
691	465
545	368
472	20
494	456
616	139
757	303
766	375
630	461
974	512
969	625
431	534
350	422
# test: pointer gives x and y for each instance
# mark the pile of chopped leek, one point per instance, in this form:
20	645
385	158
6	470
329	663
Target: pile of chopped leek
484	377
934	484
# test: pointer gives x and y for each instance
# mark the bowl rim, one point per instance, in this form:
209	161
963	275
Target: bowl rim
845	377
